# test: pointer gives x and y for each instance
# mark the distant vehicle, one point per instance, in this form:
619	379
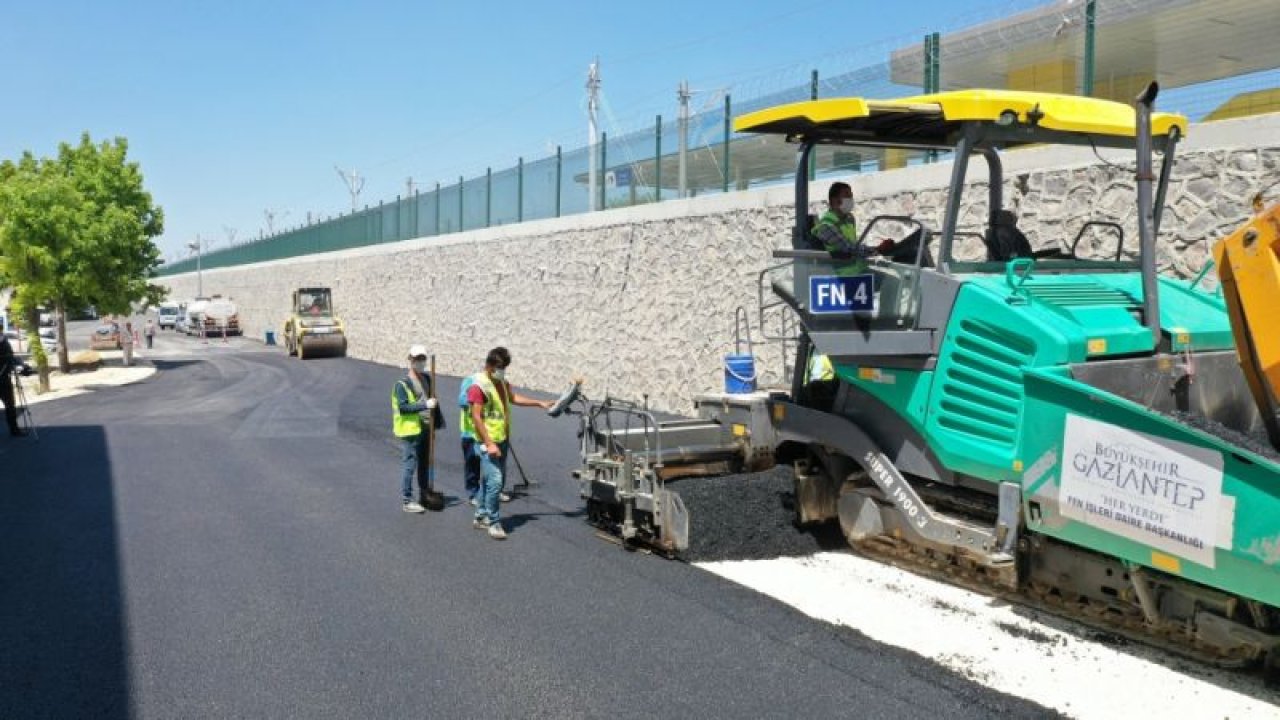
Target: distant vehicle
48	318
221	317
312	329
49	340
105	337
213	316
167	315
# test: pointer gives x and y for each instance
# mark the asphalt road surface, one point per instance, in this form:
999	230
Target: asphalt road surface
225	539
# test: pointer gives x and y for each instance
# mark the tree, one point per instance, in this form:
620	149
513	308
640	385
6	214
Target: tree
99	251
38	216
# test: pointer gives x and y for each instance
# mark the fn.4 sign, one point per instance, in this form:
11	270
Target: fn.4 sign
832	294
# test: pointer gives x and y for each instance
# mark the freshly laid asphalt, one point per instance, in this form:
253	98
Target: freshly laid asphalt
225	539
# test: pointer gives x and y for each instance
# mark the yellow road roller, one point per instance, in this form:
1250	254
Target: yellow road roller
312	329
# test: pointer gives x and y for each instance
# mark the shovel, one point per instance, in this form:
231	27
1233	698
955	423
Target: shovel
432	500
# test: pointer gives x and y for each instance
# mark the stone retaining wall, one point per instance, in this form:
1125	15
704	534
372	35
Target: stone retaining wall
641	300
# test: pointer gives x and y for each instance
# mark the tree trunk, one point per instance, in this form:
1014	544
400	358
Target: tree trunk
64	363
42	360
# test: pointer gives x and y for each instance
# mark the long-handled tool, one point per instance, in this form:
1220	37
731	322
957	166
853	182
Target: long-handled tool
524	483
24	408
432	500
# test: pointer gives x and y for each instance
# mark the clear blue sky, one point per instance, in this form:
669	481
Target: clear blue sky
234	107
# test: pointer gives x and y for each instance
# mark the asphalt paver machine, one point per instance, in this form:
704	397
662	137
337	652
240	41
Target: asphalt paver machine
1058	422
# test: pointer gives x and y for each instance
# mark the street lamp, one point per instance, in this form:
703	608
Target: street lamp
196	246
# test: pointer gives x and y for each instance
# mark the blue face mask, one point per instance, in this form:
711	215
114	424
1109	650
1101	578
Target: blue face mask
499	374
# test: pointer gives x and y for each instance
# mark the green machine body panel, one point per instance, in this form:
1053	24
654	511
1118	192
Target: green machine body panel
1000	403
1108	474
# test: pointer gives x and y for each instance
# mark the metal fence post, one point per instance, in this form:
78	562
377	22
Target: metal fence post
604	163
488	196
437	208
461	224
813	95
932	44
398	228
936	63
559	170
520	190
1090	22
726	143
657	160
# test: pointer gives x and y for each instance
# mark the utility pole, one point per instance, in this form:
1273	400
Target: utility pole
683	95
231	234
198	246
409	187
354	184
593	93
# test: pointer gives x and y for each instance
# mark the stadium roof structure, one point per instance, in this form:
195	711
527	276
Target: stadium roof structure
1175	42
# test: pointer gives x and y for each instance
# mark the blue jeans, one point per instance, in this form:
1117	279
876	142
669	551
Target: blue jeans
492	471
413	464
470	467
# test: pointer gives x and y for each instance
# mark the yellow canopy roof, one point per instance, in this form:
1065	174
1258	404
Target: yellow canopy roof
932	119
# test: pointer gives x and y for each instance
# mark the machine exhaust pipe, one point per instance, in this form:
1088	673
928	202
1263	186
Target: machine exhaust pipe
1146	217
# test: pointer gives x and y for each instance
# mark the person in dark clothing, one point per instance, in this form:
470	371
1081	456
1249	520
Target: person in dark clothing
8	365
412	407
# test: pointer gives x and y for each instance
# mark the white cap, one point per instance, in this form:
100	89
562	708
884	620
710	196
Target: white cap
417	350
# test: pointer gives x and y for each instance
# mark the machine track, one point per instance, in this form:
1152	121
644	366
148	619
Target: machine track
1121	621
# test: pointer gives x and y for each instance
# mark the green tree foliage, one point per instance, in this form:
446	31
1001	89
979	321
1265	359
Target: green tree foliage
77	230
38	218
115	256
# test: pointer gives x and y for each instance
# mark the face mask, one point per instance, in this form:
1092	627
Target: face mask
499	374
419	365
846	205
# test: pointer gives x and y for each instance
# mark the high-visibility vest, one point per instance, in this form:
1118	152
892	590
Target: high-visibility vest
820	368
847	227
405	424
494	412
466	428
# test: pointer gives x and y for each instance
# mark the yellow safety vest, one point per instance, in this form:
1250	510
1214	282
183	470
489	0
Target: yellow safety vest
405	424
847	228
494	412
820	368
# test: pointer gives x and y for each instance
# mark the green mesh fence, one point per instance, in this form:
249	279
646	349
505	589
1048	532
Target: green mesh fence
645	166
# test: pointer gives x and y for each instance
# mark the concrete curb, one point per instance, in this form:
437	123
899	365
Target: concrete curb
80	383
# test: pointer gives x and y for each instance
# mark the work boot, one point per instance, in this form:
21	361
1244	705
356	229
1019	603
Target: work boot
413	507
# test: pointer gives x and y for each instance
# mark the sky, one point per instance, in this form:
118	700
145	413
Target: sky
236	108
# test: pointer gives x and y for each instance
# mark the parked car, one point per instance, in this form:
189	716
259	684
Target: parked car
105	337
49	340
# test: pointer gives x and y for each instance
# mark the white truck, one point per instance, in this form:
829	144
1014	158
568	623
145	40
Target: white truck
167	315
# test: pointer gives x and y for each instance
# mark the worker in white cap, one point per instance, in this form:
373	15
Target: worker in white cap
411	407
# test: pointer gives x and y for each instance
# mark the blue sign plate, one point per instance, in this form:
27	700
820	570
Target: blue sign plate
833	294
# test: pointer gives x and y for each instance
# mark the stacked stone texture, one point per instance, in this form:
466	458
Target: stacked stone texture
642	301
